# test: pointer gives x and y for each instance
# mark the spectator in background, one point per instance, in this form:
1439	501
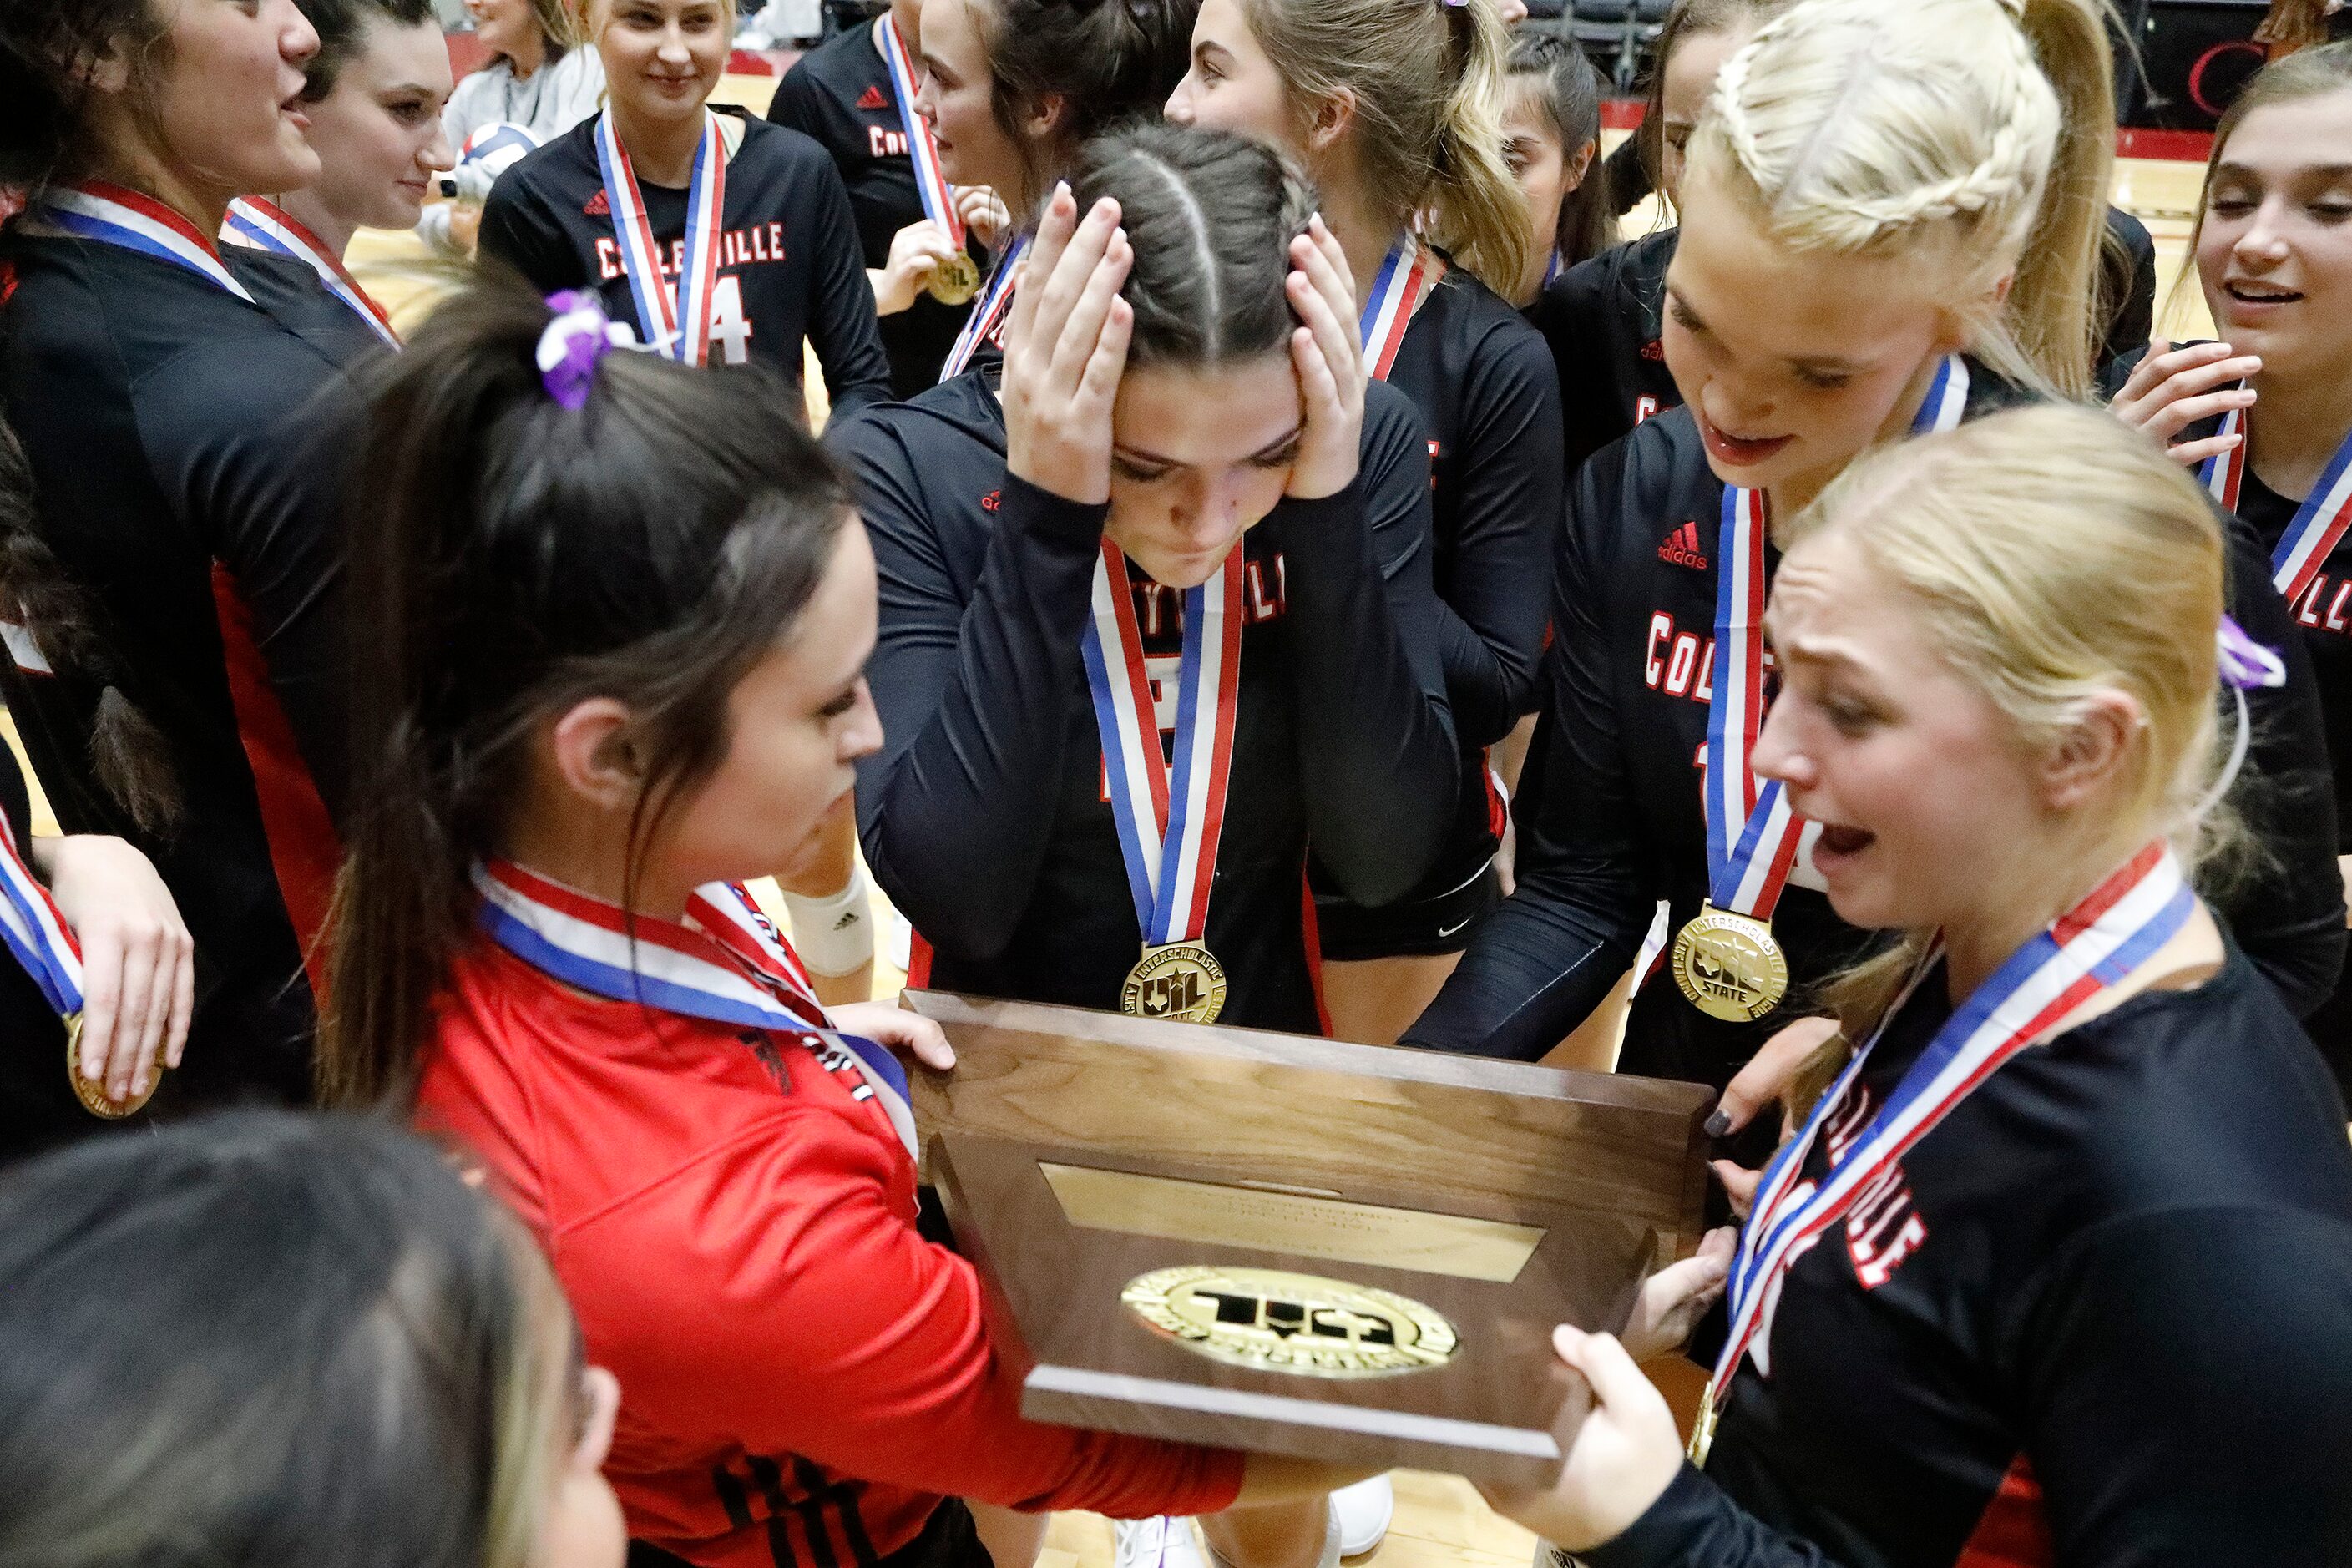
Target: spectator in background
541	76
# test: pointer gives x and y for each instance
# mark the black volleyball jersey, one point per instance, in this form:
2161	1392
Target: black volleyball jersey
839	95
1482	382
2101	1315
1605	321
788	269
185	451
1610	818
985	815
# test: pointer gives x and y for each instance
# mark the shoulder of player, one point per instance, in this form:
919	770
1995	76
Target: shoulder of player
549	174
929	465
2208	1097
1392	427
841	67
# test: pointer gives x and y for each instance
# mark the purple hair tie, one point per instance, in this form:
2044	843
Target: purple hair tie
2246	663
571	343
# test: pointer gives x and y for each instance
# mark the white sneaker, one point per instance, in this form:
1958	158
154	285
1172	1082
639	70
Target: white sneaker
1362	1513
1160	1542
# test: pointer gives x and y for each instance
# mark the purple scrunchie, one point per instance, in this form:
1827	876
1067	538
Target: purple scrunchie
569	348
2246	663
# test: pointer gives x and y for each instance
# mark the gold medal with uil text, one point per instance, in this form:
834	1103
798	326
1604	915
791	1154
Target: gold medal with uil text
92	1092
954	281
1180	980
1730	965
1273	1320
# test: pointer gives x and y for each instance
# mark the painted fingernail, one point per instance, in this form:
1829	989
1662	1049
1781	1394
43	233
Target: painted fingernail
1719	1123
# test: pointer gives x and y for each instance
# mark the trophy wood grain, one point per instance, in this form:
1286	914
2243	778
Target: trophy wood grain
1370	1123
1491	1413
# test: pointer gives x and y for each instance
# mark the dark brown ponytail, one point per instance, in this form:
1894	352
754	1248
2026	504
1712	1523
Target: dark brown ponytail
519	557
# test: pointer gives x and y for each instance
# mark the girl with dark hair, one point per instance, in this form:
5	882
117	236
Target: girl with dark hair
1391	106
1185	510
174	558
1551	140
336	1351
615	619
1012	89
2267	415
727	240
376	92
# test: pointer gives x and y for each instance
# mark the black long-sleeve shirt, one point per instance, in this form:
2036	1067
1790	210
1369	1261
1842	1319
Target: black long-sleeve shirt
984	816
2101	1315
789	267
1610	819
185	451
1481	380
840	95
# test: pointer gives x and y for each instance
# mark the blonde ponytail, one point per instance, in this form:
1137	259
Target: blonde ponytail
1427	80
1974	131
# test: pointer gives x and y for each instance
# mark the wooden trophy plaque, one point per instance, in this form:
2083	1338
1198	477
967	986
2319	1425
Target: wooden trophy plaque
1290	1245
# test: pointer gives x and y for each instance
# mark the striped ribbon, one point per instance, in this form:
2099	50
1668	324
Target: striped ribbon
676	323
263	224
114	216
2319	523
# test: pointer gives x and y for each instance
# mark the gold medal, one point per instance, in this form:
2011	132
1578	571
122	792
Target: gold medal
953	281
1703	1426
1271	1320
92	1092
1180	980
1730	965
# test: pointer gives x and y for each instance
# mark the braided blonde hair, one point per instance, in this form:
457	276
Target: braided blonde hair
1981	130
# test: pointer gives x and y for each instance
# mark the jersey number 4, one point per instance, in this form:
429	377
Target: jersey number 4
730	330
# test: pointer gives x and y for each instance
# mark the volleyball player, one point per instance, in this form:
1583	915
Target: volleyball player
855	95
1607	317
614	622
724	238
1012	89
374	96
1551	140
2274	251
337	1352
1392	110
2060	1269
1867	304
179	682
541	76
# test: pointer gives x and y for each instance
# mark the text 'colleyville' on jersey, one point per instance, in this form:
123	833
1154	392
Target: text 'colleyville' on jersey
991	775
1610	812
789	270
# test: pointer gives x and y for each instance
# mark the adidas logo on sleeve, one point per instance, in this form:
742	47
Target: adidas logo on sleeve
1683	549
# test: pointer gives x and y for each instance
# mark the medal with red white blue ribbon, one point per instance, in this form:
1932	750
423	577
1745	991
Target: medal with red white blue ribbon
956	280
724	962
263	224
674	322
1169	815
32	929
988	315
2319	522
1407	273
2092	947
114	216
1726	960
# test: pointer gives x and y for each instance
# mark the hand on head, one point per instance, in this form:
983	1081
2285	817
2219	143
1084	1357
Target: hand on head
1327	351
1065	349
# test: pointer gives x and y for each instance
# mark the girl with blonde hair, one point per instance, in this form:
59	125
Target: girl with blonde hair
2080	1152
1891	223
725	240
1394	108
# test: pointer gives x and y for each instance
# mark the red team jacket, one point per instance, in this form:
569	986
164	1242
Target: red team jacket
803	1376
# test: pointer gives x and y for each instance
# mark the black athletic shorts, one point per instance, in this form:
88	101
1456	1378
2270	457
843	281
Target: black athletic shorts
949	1541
